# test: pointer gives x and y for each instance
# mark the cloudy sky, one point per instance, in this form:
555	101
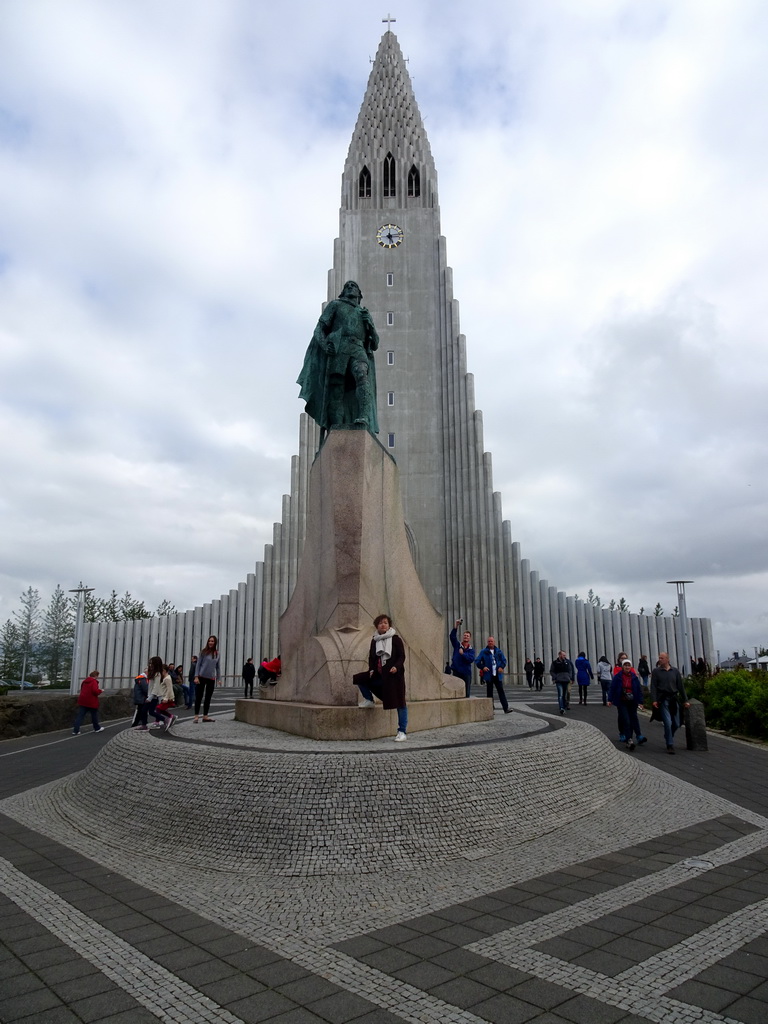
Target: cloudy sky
170	180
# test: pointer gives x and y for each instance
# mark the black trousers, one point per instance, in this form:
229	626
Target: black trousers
204	689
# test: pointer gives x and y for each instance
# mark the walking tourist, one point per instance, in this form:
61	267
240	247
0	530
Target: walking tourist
141	701
644	670
88	703
249	674
189	690
626	695
206	675
604	676
385	677
161	696
528	669
463	656
667	694
491	663
562	672
584	676
538	673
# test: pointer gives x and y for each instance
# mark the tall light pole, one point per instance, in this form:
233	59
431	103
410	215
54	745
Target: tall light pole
74	681
680	584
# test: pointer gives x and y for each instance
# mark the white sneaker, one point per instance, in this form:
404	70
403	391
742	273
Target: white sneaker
367	704
400	737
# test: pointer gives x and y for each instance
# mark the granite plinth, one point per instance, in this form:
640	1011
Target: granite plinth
356	563
335	722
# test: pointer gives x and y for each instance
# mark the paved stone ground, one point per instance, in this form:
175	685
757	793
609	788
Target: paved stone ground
653	907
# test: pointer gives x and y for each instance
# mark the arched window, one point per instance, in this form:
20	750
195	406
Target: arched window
389	176
364	184
414	183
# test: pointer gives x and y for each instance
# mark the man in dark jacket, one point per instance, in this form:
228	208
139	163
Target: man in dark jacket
563	673
249	674
491	662
667	693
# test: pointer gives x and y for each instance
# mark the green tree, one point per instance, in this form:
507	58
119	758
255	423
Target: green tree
10	658
57	636
28	623
612	605
658	610
165	607
675	612
642	610
623	606
130	608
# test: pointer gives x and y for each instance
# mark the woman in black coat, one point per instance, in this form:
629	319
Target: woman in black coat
386	673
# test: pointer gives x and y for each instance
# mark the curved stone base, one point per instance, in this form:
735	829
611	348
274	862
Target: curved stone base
339	722
316	810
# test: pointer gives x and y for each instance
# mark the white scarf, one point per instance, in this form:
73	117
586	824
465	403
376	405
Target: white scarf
384	645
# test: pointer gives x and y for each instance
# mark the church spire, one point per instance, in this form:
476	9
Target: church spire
389	155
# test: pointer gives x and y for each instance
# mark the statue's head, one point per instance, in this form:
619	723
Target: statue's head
351	290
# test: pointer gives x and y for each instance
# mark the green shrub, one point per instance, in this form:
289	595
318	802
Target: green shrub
735	702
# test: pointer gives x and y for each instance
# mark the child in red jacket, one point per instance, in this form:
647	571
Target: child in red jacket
88	701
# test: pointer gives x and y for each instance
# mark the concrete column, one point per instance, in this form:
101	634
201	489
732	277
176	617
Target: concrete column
582	636
546	625
538	640
634	633
563	637
573	633
527	603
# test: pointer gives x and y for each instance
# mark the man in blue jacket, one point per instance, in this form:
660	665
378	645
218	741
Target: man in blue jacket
491	662
463	656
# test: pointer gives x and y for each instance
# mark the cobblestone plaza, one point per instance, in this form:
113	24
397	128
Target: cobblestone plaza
544	875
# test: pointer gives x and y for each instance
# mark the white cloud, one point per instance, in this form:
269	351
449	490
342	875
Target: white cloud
173	174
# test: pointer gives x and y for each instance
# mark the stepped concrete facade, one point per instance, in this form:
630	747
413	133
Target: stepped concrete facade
390	242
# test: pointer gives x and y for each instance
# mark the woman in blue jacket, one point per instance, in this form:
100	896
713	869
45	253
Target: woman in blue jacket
626	695
584	676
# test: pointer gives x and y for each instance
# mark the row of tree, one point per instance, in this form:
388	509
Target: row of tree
622	606
37	642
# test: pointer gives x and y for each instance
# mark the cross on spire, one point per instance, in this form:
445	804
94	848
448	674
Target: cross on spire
388	20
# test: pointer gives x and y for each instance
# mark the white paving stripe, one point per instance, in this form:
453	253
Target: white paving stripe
694	954
623	994
162	993
171	999
550	925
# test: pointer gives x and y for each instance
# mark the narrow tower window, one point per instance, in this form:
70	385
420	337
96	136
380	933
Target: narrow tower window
390	280
414	183
364	184
390	319
390	440
390	398
389	176
390	358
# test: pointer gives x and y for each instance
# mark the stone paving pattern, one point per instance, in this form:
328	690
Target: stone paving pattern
649	903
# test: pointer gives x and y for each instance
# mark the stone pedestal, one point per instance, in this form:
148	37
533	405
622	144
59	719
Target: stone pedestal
356	563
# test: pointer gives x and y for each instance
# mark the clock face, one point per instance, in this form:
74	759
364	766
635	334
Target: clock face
390	235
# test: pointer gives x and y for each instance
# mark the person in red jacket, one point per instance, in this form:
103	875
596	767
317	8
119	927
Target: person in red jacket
268	671
88	701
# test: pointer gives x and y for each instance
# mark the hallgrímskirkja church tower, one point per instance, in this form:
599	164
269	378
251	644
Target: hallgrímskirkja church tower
390	243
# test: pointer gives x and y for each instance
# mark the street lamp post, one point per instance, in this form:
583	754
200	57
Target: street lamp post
680	584
74	681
